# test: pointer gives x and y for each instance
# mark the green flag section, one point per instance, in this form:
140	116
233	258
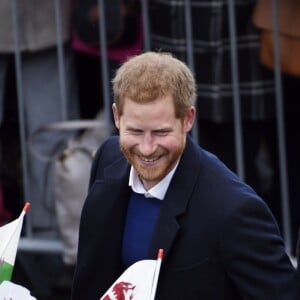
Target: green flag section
6	270
9	240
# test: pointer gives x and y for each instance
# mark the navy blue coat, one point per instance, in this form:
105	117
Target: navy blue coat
221	241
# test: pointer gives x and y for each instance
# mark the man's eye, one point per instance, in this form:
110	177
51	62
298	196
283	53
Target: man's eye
161	133
136	132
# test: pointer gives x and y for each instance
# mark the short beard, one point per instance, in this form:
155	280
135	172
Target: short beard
153	174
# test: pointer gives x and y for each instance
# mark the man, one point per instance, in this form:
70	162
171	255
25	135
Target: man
154	187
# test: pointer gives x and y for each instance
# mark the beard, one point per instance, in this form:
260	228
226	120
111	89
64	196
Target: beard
153	172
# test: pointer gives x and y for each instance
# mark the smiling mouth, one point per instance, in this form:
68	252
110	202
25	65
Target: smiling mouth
149	160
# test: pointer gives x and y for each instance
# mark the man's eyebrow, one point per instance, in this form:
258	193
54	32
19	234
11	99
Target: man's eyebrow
129	127
165	129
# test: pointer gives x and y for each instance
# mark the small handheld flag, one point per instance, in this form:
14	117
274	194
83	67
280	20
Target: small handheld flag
13	291
9	240
138	282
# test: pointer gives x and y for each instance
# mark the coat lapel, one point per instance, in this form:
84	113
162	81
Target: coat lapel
115	194
176	200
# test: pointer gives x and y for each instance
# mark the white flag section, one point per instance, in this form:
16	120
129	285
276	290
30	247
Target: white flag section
9	240
12	291
138	282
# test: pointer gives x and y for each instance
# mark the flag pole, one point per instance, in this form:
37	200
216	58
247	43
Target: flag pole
156	273
24	211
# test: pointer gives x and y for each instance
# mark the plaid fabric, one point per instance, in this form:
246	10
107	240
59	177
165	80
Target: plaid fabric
212	62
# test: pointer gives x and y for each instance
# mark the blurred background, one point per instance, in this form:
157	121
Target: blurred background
57	58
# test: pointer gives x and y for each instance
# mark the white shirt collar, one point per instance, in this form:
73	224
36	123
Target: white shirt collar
158	191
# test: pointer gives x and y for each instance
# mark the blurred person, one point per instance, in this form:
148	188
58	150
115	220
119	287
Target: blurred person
152	187
88	54
37	39
288	23
43	104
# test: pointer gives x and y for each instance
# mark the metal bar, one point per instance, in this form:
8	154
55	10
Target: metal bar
61	60
281	133
40	245
104	62
146	30
21	112
190	54
236	94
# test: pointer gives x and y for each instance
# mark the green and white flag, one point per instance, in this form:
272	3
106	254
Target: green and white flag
9	240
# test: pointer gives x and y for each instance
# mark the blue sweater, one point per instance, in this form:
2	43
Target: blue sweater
140	222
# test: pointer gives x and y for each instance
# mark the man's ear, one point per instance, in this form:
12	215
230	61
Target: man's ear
189	119
116	115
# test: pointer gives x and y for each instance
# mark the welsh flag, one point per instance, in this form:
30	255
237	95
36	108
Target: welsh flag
9	240
138	282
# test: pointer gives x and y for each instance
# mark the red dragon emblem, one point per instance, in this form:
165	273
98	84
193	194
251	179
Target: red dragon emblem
120	291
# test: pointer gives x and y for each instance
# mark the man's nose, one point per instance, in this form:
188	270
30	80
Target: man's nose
147	145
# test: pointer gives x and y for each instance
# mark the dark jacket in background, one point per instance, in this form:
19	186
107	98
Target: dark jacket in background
212	56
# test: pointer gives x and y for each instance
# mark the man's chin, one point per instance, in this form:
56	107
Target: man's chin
149	177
